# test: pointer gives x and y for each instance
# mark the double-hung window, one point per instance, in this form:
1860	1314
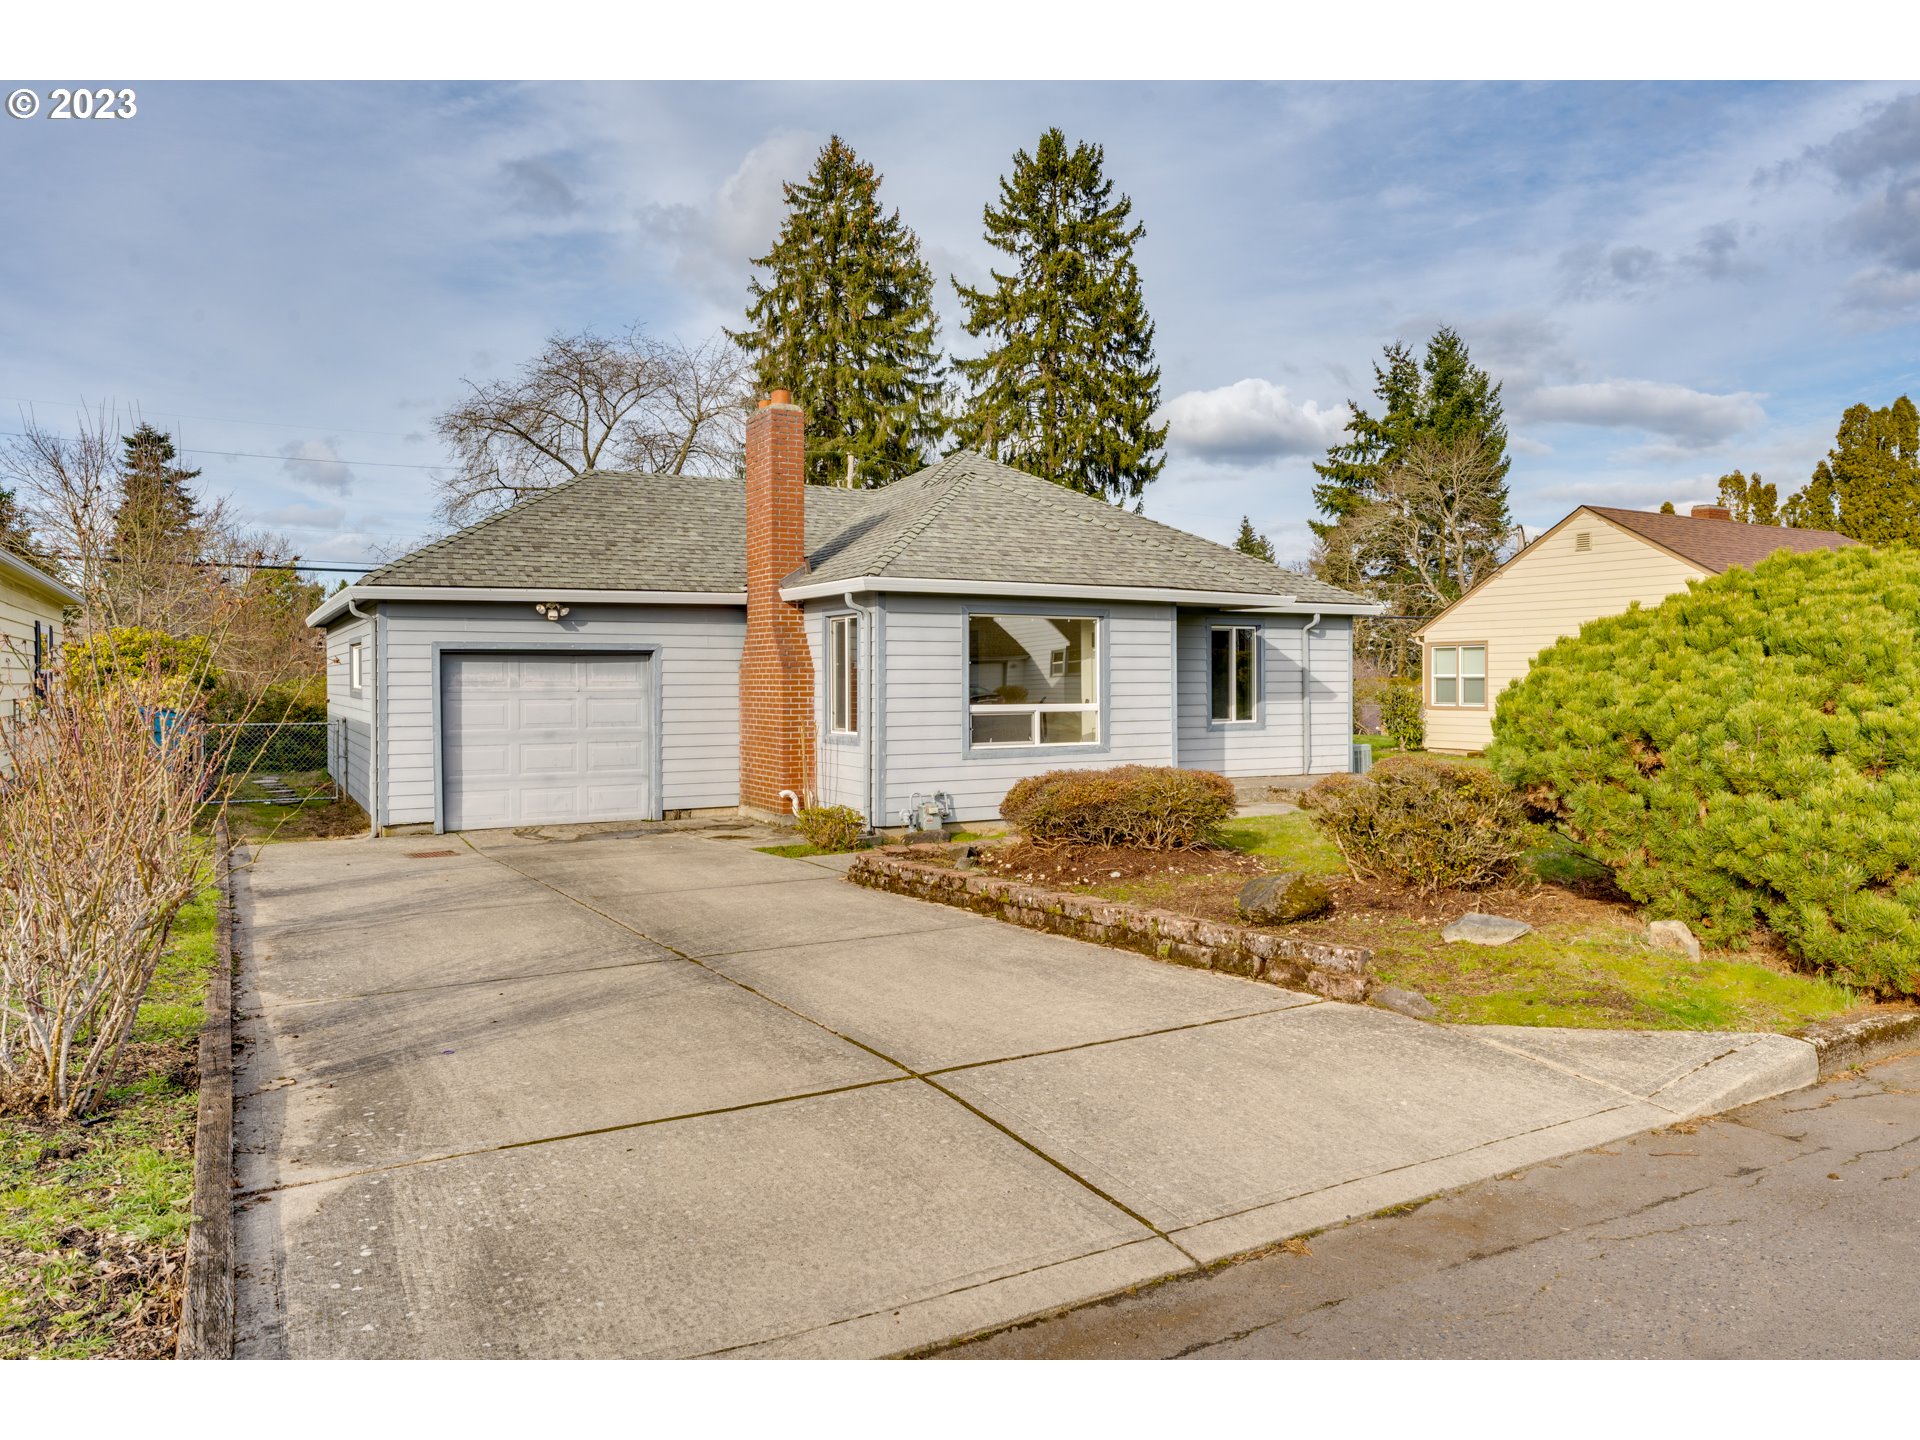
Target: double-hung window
1232	672
1457	676
1033	680
843	674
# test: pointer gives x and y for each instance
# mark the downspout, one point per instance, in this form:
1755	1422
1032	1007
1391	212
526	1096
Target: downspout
1306	694
868	641
373	763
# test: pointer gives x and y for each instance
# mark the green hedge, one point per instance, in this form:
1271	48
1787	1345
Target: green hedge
1154	807
1747	752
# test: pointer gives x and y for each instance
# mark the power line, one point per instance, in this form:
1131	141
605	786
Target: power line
299	459
140	411
330	566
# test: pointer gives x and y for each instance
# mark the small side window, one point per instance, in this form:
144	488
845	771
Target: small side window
356	678
1231	672
843	677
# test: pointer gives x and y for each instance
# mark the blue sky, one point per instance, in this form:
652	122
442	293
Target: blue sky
1671	280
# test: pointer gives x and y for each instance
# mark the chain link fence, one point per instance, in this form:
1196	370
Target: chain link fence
279	762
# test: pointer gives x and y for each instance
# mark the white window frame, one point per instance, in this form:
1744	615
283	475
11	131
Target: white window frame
356	668
1034	709
843	675
1250	636
1456	676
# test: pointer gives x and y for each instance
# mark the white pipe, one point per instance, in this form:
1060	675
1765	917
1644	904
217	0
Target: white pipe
793	799
1306	694
373	764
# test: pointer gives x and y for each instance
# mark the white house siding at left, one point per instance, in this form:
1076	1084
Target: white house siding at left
1275	741
350	747
699	677
924	744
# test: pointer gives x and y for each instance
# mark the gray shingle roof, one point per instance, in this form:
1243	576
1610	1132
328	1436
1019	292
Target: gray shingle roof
966	518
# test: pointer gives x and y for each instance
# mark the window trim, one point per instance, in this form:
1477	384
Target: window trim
1256	711
356	668
1101	706
1428	677
843	665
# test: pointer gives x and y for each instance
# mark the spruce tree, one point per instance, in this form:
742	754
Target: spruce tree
845	321
1068	385
16	536
1444	396
1869	484
1251	542
155	506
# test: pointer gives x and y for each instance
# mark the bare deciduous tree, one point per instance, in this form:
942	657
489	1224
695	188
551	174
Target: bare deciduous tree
588	402
1433	529
96	859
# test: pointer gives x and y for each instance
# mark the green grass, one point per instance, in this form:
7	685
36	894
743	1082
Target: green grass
129	1177
799	850
1379	744
1291	840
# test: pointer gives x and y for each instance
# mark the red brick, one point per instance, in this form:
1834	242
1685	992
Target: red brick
776	670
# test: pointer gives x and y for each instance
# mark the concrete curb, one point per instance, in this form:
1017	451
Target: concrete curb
1335	972
1843	1044
206	1313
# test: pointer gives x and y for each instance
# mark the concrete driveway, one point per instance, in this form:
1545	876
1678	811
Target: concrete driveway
662	1095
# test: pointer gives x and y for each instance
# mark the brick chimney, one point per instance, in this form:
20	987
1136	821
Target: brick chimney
776	672
1712	512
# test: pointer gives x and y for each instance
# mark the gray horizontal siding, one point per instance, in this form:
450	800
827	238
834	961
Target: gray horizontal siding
1275	742
353	769
926	702
699	648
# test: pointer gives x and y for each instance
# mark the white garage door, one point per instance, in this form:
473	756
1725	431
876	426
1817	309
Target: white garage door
545	739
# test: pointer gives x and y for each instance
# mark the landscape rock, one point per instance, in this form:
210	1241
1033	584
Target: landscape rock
1278	899
1407	1002
1673	935
1474	928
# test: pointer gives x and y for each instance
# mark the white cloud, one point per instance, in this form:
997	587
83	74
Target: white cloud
316	463
1250	421
1691	419
713	243
305	517
1521	445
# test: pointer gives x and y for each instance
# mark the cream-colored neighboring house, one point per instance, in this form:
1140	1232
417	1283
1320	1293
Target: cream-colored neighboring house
31	604
1598	561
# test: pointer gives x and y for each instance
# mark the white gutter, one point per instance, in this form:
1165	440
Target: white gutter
343	600
1306	694
36	579
820	589
1319	609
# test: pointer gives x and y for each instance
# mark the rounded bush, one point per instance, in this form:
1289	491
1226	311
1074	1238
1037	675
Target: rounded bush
1401	717
1746	752
1422	822
1155	807
830	827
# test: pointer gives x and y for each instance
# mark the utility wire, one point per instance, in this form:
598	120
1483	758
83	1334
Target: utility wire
234	564
298	459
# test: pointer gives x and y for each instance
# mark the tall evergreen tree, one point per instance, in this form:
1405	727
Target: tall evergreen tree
155	507
845	321
1068	385
1444	397
1752	500
16	536
1251	542
1869	484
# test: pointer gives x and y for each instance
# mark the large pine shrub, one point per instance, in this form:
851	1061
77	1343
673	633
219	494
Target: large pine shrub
1747	752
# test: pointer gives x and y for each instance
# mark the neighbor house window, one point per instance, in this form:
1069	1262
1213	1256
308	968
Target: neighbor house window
1033	679
1458	675
356	676
843	673
1230	671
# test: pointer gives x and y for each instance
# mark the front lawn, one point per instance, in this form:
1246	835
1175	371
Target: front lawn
321	819
1586	964
94	1212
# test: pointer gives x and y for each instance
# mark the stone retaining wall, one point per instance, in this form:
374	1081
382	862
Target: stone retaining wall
1339	972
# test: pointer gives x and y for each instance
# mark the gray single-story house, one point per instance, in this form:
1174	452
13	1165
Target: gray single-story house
627	647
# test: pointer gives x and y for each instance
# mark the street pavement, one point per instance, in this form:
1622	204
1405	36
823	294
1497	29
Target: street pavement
1789	1229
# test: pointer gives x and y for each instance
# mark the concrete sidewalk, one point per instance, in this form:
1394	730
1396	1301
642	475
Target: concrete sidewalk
663	1095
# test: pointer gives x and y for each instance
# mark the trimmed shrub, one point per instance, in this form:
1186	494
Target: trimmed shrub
830	827
1400	716
1423	823
1746	752
1154	807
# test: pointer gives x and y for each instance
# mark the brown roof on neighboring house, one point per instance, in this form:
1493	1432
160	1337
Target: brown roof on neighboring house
1717	545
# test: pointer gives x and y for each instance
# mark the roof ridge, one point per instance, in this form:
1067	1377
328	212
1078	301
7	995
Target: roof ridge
928	513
